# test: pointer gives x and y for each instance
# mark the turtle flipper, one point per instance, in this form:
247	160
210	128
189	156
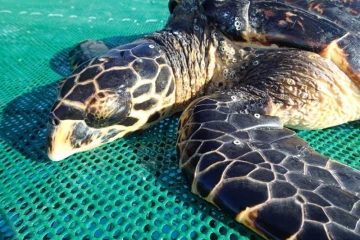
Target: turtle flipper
85	51
247	164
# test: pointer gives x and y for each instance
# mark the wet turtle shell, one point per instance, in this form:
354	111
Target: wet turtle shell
330	28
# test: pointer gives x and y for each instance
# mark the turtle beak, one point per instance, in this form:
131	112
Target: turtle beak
67	137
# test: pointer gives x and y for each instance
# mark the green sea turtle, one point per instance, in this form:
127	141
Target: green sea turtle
239	70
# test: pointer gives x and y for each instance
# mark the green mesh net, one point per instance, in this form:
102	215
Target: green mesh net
128	189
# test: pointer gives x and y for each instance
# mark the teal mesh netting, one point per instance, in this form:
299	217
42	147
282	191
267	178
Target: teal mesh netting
129	189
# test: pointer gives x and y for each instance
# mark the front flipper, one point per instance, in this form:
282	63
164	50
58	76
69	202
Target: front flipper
85	51
245	163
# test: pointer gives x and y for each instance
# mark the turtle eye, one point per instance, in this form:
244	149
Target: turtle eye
107	108
172	5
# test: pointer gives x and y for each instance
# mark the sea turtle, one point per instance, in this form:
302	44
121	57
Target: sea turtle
242	70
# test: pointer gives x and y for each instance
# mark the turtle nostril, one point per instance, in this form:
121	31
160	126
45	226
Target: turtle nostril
52	120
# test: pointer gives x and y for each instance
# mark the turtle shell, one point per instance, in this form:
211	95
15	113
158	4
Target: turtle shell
342	13
330	28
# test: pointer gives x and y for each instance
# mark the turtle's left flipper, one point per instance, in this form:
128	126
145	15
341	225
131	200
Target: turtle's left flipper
85	51
247	164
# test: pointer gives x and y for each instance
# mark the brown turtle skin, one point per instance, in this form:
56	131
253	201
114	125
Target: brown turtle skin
128	88
242	70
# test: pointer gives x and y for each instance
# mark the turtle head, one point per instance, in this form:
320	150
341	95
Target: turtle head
128	89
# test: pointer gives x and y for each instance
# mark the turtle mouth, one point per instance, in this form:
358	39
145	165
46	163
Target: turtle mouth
69	137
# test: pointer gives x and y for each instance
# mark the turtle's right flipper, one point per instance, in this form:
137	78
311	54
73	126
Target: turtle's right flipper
244	162
85	51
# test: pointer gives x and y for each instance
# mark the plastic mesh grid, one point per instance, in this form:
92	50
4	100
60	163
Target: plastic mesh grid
128	189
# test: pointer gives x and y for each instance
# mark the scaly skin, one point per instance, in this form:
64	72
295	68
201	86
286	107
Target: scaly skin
308	91
198	59
176	64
